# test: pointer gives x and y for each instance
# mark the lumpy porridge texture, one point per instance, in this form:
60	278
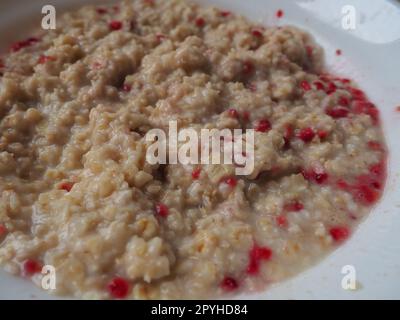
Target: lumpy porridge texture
78	194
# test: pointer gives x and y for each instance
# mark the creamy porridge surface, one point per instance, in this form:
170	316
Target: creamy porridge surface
76	190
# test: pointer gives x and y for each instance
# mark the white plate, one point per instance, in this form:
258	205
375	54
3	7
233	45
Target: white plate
370	56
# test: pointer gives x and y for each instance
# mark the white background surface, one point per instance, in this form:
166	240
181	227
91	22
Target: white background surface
371	56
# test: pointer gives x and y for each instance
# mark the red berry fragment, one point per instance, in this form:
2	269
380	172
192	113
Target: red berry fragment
256	255
126	87
344	101
161	37
306	134
231	181
43	59
118	288
263	126
322	134
3	230
338	112
23	44
339	234
233	113
67	186
357	94
331	88
257	33
31	267
309	51
246	116
162	210
200	22
225	13
279	13
314	175
319	85
229	284
366	107
101	10
281	221
115	25
338	52
305	85
288	135
196	173
248	67
294	206
375	145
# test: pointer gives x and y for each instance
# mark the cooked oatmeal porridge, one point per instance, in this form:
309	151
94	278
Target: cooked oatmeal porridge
76	189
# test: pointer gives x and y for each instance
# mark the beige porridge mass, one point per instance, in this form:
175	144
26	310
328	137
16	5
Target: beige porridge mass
76	190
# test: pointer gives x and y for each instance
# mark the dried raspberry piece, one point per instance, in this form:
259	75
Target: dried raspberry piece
256	255
162	210
233	113
231	181
200	22
281	221
31	267
196	173
118	288
306	134
67	186
115	25
305	85
338	112
340	233
294	206
279	13
43	59
229	284
263	126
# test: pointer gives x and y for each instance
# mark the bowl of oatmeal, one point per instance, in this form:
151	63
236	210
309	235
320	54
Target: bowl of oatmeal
79	196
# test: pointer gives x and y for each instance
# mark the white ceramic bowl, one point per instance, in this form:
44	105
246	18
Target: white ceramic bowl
370	56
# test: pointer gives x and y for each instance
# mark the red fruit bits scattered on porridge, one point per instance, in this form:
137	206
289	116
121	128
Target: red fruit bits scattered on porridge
318	176
17	46
225	13
306	134
338	112
256	255
196	173
319	85
339	234
231	181
43	59
162	210
115	25
344	101
248	67
233	113
67	186
126	87
263	126
31	267
200	22
229	284
375	145
331	88
257	33
294	206
322	134
118	288
279	13
305	85
101	10
3	230
281	221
